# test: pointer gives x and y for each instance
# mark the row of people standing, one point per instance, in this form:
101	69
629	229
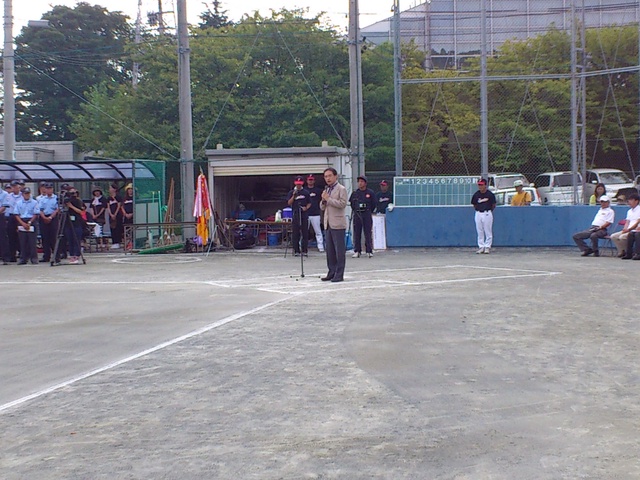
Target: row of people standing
305	204
22	217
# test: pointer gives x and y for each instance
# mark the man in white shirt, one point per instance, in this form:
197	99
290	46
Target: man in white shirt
631	223
603	219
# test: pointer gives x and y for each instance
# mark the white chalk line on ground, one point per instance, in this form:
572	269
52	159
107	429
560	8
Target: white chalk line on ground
347	285
161	346
139	261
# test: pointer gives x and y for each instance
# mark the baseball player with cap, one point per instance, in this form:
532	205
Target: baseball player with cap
363	203
383	197
300	203
484	202
315	195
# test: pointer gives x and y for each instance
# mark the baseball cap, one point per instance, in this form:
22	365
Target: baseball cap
311	177
363	178
48	184
384	183
7	185
299	181
482	181
518	183
26	190
15	182
604	198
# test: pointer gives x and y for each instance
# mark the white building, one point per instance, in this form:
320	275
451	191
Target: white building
450	29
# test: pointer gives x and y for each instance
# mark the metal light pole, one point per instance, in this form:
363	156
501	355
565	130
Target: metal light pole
397	86
186	126
355	86
484	104
8	81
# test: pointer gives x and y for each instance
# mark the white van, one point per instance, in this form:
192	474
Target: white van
613	179
556	188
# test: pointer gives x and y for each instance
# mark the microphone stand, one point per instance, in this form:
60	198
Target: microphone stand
301	242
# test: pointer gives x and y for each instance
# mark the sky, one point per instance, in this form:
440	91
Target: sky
371	11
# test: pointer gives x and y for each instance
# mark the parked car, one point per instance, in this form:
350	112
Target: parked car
556	188
499	181
504	196
615	181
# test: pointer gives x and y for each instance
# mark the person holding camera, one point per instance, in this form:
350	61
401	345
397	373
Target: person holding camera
26	213
74	225
363	203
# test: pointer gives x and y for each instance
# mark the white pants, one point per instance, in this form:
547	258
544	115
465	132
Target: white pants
314	221
484	227
620	240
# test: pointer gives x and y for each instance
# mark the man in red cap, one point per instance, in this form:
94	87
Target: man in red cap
383	197
484	201
300	202
315	195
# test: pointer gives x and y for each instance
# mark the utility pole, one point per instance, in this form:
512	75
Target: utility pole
138	40
397	86
186	126
355	88
8	63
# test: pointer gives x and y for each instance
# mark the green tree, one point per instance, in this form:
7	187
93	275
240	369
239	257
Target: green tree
264	82
216	18
55	66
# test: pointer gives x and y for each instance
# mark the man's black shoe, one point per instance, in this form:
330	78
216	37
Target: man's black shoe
596	253
636	257
586	253
335	279
45	260
626	257
22	263
326	279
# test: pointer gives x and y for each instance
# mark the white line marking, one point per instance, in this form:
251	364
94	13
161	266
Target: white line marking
148	351
139	261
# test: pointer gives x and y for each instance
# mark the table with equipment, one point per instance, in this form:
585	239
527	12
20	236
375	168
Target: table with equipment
266	233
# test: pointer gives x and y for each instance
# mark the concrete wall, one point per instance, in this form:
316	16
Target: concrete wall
512	226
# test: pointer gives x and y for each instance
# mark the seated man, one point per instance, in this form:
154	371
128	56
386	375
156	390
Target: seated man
603	219
633	239
632	221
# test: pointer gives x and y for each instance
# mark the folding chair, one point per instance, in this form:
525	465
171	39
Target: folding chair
608	243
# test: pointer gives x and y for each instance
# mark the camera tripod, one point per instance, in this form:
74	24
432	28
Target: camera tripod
63	221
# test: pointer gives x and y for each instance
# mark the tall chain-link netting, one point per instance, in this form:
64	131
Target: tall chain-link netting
544	57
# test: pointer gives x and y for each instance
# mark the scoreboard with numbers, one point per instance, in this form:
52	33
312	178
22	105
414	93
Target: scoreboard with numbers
434	191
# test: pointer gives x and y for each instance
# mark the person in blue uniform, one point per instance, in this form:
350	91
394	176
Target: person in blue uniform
26	214
484	202
300	202
5	205
48	205
12	222
363	203
383	197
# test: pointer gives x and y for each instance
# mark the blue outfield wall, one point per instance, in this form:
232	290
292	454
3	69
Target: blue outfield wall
550	226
